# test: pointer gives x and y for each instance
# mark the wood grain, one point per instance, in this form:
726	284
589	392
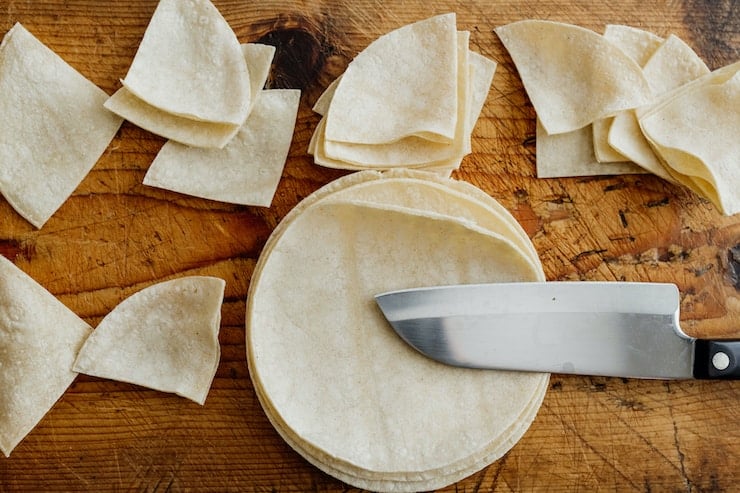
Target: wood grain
115	236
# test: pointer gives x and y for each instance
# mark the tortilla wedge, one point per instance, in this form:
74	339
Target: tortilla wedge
410	152
175	69
39	339
54	130
694	130
392	79
672	65
186	130
639	45
572	75
164	337
247	170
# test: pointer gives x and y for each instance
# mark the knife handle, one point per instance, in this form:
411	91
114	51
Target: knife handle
717	359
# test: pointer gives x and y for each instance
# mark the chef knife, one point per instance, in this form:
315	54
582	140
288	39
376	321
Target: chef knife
620	329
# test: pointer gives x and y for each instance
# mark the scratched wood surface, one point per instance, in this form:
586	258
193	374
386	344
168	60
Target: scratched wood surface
115	236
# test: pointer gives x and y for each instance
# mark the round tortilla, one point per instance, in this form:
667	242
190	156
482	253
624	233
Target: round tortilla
364	266
407	482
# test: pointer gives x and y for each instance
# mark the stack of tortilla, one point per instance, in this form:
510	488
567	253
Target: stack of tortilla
189	80
410	99
334	379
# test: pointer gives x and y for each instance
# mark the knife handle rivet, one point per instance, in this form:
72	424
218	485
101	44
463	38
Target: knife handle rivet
720	361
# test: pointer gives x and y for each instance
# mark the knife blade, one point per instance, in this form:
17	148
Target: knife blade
620	329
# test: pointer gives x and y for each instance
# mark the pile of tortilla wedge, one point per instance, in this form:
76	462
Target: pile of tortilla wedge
410	99
190	82
629	101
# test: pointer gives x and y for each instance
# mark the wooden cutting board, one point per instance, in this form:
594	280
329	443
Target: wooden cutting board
115	236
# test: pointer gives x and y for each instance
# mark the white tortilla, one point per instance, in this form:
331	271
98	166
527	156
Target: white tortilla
639	45
401	476
383	187
696	133
54	126
572	154
164	337
247	171
185	130
625	134
190	64
406	79
672	65
603	152
316	148
39	339
572	75
405	481
177	128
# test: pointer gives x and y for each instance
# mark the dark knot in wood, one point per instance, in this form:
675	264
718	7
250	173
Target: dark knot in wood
300	52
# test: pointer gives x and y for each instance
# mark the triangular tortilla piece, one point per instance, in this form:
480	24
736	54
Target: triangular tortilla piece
404	481
572	75
675	63
185	130
259	59
640	46
603	152
173	127
190	64
696	134
625	134
247	170
39	339
404	83
54	127
164	337
316	148
671	66
572	154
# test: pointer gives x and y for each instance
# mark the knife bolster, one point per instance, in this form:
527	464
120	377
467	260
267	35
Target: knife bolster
717	359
